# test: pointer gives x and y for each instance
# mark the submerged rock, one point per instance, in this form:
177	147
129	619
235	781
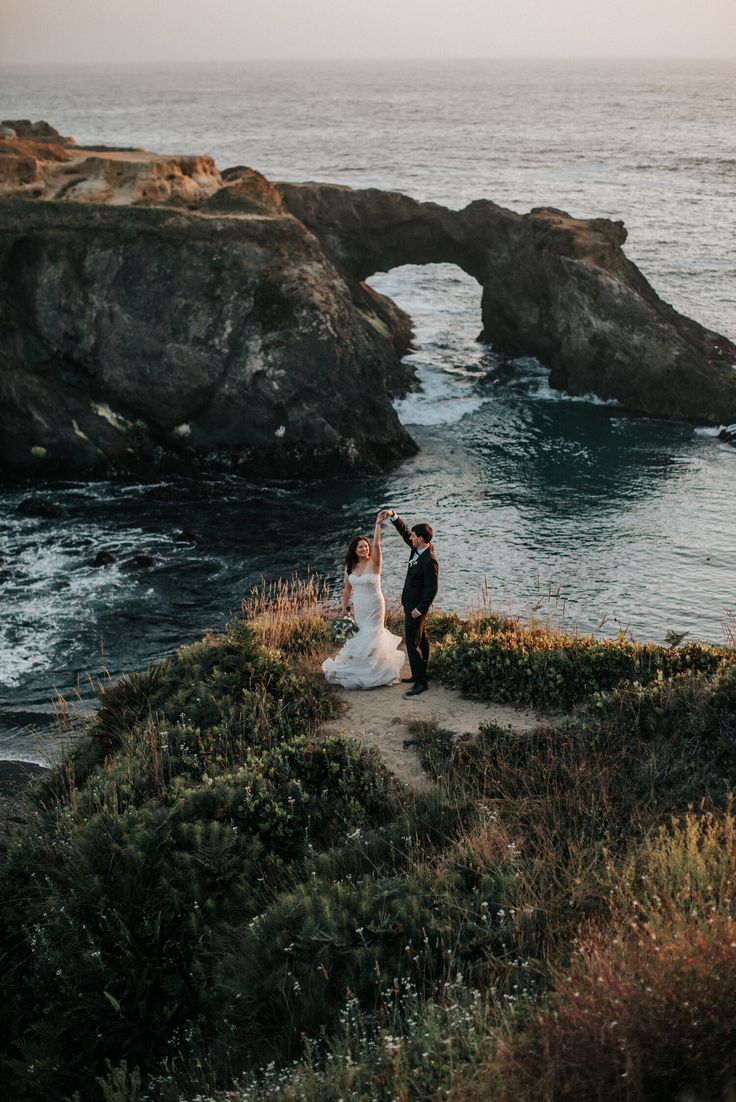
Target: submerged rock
139	562
40	507
103	558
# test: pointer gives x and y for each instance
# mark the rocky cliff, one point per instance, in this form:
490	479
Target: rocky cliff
554	287
156	313
149	337
37	162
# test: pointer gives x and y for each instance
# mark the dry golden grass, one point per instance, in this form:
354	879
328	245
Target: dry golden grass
292	614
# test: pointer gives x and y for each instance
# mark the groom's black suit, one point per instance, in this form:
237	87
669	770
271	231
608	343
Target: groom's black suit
420	589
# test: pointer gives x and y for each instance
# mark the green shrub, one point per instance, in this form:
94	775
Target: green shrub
412	1050
104	934
696	708
201	788
428	825
112	933
229	683
301	796
320	945
509	662
201	712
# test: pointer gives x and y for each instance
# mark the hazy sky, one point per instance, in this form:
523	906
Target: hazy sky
207	30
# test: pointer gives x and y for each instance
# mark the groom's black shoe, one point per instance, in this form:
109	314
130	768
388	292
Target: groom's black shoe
407	681
419	687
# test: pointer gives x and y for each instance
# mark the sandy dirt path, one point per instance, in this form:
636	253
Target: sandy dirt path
378	717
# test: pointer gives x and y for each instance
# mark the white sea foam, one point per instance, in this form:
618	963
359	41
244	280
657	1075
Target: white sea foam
50	601
53	594
530	375
450	393
714	430
443	400
547	393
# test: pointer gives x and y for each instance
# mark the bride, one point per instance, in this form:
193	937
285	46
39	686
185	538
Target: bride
370	657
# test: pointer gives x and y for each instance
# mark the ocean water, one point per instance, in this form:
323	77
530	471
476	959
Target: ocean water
572	508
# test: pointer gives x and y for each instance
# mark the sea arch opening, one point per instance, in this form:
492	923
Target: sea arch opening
443	302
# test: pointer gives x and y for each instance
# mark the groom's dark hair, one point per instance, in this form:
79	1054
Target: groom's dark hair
424	531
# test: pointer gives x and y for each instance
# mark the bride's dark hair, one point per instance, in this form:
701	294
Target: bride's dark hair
351	557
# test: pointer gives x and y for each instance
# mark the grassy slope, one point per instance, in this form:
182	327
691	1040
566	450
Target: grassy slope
208	885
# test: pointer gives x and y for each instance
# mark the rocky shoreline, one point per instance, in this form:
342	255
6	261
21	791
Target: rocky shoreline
157	314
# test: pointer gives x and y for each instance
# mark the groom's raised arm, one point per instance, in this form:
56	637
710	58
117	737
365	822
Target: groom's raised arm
401	528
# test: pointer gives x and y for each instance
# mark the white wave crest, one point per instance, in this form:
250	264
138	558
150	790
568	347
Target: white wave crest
547	393
51	598
443	400
715	430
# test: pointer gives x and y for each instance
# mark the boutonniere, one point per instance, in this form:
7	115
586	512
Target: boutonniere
413	562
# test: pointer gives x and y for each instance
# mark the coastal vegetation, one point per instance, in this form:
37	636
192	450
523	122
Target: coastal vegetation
214	899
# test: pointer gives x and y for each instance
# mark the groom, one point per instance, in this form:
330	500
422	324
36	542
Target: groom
420	589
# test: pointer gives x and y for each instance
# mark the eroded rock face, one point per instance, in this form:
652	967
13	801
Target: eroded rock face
35	131
45	170
156	313
554	287
245	191
157	338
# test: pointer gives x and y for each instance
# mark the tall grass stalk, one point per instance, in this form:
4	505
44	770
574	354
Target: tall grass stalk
289	613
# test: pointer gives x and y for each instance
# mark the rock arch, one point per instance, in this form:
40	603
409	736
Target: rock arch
554	287
159	314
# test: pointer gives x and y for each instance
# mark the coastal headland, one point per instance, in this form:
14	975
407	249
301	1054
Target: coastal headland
305	893
159	314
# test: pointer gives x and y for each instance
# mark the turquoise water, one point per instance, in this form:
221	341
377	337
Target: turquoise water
568	507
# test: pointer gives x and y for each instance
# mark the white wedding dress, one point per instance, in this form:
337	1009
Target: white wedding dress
370	657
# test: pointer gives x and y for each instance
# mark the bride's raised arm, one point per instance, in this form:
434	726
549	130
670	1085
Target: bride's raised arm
376	552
